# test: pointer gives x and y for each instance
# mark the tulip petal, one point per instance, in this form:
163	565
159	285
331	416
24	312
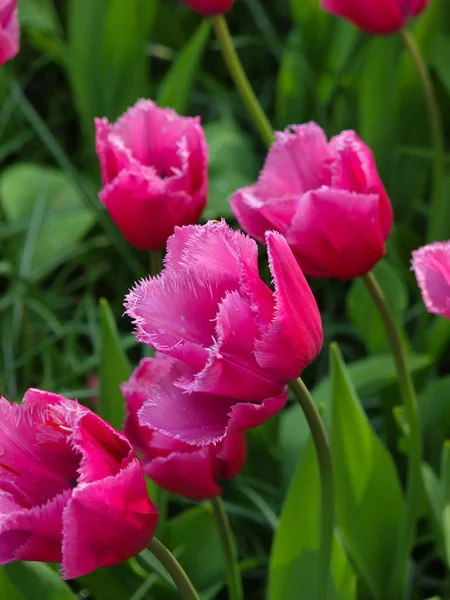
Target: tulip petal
294	337
106	522
245	415
188	474
9	30
347	243
431	265
232	455
380	17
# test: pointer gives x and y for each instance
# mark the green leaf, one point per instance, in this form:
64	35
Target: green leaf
293	561
363	313
202	558
37	580
369	501
232	165
369	375
9	590
176	87
114	369
107	583
66	220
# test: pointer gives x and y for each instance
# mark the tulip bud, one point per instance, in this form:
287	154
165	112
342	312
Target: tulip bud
9	30
431	266
209	7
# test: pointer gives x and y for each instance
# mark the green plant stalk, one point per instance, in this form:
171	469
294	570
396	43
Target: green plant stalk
240	79
414	482
438	200
322	447
175	570
235	589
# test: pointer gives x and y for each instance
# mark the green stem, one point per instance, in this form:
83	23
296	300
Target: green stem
414	483
240	79
175	570
436	220
322	446
235	589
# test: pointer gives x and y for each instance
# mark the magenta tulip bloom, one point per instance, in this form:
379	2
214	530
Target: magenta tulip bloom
185	469
376	16
326	198
72	489
236	342
154	171
9	30
209	7
431	265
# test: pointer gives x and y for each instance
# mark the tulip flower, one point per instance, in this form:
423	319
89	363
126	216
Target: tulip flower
185	469
72	489
237	342
154	171
376	16
9	30
431	266
209	7
326	198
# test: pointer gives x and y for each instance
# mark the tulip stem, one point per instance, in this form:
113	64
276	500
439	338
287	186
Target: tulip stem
240	79
436	221
175	570
235	589
322	447
414	482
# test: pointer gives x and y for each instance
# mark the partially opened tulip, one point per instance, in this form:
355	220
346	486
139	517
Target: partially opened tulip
189	470
9	30
209	7
154	171
237	342
431	266
376	16
326	198
72	489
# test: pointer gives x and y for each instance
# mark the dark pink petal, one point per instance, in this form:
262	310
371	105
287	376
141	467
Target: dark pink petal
297	162
354	169
113	155
232	370
294	337
189	474
431	265
232	455
35	533
9	30
106	522
347	243
377	17
247	206
209	7
245	415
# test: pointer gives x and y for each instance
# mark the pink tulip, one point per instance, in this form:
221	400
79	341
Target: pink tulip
71	488
180	468
209	7
236	342
376	16
9	30
154	171
325	197
431	265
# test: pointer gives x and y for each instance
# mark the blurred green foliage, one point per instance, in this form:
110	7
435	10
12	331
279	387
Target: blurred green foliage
60	253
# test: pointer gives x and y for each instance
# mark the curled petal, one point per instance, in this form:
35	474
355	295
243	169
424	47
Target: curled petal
431	266
9	30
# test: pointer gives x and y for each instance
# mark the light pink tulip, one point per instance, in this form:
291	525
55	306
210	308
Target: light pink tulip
72	489
185	469
209	7
9	30
154	172
325	197
236	342
376	16
431	265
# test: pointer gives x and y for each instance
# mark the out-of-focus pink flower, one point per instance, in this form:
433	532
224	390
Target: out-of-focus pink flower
72	489
154	172
325	197
209	7
9	30
185	469
431	266
376	16
236	342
